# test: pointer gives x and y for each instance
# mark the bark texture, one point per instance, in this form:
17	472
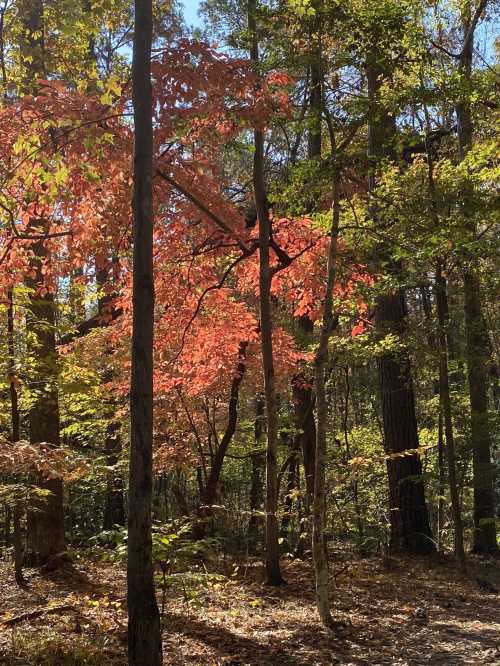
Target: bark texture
144	634
273	571
410	529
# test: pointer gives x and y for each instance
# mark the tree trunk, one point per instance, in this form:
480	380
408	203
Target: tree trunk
441	488
14	403
144	632
114	510
273	572
303	403
256	495
46	526
354	482
410	530
15	436
320	365
210	492
476	333
445	406
302	386
18	545
114	505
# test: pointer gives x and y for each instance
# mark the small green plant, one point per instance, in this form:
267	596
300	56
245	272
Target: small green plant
179	558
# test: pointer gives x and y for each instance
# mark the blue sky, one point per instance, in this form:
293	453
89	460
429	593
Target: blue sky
191	12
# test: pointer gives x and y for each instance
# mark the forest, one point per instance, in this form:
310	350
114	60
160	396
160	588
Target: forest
249	332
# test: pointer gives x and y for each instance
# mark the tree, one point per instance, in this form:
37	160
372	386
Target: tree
273	571
410	528
477	336
46	527
144	633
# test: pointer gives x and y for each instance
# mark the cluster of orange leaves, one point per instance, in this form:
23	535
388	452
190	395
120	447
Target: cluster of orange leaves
65	171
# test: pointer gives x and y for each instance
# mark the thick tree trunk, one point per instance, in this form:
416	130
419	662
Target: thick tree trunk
410	530
476	333
445	406
273	571
46	526
144	633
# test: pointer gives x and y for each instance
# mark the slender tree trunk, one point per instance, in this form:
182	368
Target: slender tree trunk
354	482
18	545
303	402
273	571
14	402
410	530
144	633
441	488
445	406
320	365
114	510
256	495
114	505
210	492
476	333
15	436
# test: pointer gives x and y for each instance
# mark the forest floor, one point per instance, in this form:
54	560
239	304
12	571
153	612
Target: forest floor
400	612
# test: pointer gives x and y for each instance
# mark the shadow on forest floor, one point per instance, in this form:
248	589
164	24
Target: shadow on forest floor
420	612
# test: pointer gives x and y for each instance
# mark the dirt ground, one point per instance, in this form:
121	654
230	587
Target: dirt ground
391	611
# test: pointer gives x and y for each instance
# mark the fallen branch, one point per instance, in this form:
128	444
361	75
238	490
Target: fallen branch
39	612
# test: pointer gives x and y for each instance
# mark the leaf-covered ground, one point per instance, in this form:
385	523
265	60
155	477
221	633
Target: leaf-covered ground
401	612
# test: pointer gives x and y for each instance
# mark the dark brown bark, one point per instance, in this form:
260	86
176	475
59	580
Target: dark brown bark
46	526
144	633
410	530
273	571
476	333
